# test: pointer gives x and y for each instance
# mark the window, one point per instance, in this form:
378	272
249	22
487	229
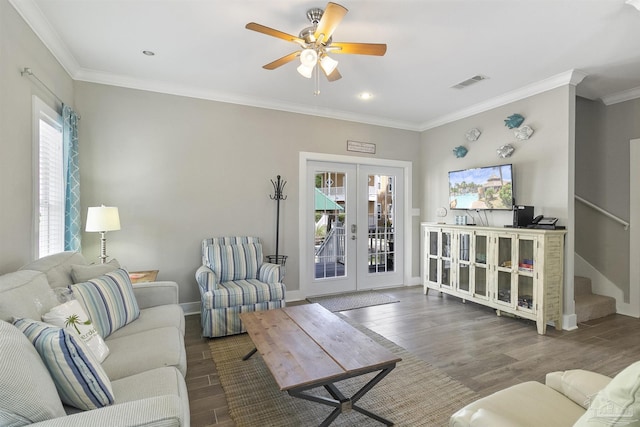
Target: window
49	191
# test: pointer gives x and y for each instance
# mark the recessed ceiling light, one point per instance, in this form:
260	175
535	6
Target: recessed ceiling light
365	95
148	52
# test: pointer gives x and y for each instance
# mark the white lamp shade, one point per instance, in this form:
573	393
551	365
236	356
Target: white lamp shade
305	71
102	218
328	64
309	57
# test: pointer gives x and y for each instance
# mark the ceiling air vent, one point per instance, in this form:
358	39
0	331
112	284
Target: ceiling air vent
469	82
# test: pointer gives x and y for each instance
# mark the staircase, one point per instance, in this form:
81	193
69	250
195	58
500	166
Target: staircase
589	305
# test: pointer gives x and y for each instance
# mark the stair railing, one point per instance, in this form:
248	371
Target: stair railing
603	212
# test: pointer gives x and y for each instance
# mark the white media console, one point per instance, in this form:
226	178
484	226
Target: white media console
513	270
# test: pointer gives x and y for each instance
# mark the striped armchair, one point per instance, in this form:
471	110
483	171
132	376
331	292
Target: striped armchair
234	279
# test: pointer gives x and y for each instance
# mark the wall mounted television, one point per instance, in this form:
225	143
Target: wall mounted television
489	187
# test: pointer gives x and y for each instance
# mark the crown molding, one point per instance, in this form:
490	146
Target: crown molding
93	76
571	77
625	95
33	16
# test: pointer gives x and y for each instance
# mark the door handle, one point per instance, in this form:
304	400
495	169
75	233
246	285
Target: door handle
353	237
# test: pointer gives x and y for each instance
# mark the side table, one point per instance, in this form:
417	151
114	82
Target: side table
143	276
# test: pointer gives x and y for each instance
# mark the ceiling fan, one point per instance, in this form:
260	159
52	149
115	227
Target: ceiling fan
316	43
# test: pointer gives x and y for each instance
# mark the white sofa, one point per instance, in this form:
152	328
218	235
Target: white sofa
147	358
576	398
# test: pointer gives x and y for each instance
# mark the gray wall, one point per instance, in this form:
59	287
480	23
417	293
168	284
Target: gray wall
182	169
602	177
540	164
19	48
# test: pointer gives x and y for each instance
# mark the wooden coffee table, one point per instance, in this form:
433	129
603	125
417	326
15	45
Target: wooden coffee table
307	346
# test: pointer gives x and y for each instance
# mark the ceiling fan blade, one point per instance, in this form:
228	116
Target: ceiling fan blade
275	33
377	49
279	62
335	75
331	17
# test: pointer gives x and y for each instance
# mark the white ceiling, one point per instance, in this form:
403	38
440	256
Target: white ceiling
203	50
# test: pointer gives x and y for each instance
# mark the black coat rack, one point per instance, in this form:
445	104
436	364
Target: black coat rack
278	187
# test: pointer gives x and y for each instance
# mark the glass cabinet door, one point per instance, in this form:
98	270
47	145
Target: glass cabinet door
438	257
480	259
431	249
525	282
505	270
445	258
463	277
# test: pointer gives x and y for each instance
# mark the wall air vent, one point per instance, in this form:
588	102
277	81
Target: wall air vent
469	82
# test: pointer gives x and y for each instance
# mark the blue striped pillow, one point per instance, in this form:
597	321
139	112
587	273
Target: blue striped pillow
79	378
108	300
235	262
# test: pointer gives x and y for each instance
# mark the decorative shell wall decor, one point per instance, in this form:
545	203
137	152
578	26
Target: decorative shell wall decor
513	121
473	134
505	151
523	133
460	151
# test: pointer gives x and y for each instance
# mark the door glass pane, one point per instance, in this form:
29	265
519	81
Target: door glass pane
381	231
433	243
504	252
481	281
465	246
481	249
504	286
525	255
525	291
330	213
446	245
433	269
463	280
446	272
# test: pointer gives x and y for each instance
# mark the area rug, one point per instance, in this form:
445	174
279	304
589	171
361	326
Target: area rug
353	300
413	394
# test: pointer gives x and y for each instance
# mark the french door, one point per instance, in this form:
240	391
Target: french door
356	224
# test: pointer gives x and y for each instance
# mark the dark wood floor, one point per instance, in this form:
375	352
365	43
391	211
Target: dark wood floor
467	341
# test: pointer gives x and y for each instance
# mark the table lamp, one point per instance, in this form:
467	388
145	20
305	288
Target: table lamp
103	219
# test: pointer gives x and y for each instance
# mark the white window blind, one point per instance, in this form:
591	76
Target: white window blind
50	200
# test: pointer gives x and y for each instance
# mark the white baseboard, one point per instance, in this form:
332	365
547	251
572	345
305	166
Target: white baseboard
296	295
569	322
416	280
190	308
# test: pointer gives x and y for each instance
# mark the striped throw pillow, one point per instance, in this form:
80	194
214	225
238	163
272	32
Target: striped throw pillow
79	378
235	262
108	300
27	392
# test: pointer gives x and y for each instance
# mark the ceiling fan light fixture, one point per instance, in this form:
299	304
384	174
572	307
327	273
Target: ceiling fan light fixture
328	64
309	58
305	71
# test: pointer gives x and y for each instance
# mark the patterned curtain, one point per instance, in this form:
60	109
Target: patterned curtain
72	226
